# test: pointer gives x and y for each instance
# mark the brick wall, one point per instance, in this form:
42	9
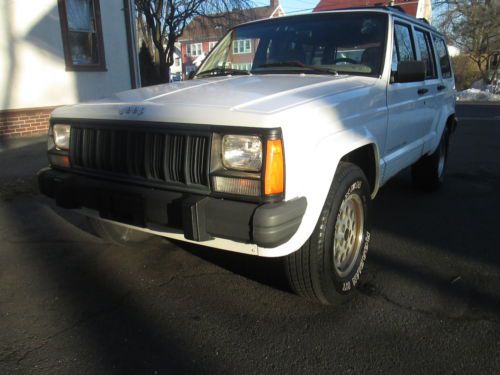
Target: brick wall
24	122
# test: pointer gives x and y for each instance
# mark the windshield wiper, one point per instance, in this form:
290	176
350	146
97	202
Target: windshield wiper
223	72
298	64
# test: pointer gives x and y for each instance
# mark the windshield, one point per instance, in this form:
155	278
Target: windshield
335	43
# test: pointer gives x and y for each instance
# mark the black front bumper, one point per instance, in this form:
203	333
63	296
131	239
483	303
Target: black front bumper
200	217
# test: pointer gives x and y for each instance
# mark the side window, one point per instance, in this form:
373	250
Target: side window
403	45
444	60
426	55
82	34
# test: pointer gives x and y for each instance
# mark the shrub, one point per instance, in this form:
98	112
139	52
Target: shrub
466	72
148	69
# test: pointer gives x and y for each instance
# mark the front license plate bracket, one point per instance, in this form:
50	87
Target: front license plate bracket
122	207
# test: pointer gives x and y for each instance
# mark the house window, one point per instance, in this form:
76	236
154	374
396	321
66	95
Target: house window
243	66
82	35
242	46
211	45
194	49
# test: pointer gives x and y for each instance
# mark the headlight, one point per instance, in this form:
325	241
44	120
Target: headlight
61	135
242	152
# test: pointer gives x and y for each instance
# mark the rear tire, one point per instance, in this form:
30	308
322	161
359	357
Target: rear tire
328	266
118	234
428	173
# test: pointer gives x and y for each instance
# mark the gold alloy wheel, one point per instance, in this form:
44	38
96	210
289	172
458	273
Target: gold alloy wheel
348	234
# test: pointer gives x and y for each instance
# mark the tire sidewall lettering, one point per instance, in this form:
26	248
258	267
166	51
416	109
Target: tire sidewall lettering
348	285
353	280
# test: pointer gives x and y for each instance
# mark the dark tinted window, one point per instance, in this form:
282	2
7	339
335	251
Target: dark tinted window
426	55
442	53
404	49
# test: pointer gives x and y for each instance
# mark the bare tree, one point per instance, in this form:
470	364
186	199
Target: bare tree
473	26
166	20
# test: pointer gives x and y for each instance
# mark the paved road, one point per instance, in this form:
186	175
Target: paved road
429	301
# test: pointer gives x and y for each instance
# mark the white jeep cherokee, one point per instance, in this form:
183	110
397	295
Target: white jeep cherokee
276	146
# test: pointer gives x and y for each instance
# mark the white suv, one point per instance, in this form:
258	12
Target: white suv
275	148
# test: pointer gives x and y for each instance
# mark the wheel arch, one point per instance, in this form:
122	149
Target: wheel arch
367	158
315	182
451	123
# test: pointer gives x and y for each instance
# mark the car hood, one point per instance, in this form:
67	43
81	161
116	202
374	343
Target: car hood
182	101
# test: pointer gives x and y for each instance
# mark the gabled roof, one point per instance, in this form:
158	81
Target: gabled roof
213	27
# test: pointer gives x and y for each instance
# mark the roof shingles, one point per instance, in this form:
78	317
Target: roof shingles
203	28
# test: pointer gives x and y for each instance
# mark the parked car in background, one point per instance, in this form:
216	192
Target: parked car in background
176	77
277	158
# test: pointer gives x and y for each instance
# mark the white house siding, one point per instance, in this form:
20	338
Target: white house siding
32	67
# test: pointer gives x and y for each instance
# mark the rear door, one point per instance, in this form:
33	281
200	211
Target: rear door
445	90
430	93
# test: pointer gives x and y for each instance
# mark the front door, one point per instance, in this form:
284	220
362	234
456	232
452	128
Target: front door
406	108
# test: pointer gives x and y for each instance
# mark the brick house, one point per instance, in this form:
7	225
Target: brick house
417	8
203	33
58	52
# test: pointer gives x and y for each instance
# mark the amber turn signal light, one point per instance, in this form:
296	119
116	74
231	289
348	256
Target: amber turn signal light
59	160
275	168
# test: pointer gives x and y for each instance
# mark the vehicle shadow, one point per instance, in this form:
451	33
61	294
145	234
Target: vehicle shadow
443	242
267	271
116	329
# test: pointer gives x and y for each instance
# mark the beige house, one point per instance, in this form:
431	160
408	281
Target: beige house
57	52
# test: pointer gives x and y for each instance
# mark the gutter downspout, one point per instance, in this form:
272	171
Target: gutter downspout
133	57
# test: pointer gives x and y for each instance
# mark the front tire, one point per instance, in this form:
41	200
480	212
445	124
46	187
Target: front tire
328	266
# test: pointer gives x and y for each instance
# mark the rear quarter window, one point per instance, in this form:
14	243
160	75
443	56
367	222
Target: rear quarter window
442	53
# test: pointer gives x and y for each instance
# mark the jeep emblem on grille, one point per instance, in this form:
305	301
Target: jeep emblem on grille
131	110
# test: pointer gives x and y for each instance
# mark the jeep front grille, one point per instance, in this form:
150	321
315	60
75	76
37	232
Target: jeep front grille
167	158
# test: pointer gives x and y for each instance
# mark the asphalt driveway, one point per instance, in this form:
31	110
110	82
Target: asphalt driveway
429	301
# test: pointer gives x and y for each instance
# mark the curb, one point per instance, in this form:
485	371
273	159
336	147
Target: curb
476	102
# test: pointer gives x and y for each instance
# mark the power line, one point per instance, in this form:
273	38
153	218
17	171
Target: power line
294	10
300	11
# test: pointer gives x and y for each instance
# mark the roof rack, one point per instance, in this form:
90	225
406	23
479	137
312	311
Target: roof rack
395	8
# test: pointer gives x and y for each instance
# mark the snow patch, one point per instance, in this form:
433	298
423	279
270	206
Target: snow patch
477	95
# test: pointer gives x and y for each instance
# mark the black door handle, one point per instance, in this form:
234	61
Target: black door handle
441	87
422	91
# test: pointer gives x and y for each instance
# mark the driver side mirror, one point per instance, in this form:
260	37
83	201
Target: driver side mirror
410	71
